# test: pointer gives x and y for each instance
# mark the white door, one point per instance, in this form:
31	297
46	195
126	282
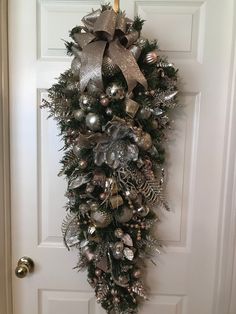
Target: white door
196	35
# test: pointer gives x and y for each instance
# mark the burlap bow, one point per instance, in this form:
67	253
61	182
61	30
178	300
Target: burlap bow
110	32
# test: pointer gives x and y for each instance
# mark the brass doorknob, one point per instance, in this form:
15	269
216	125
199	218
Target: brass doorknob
24	266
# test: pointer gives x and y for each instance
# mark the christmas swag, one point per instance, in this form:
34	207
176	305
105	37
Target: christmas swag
112	108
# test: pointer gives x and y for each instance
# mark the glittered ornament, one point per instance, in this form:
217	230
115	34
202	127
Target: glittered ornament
79	114
115	91
128	253
151	57
101	218
109	68
124	214
93	121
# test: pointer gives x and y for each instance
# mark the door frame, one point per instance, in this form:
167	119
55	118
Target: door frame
226	268
5	230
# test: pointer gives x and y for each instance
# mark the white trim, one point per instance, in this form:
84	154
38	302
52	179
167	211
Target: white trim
5	238
226	267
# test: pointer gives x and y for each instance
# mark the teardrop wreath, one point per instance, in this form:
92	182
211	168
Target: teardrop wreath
112	108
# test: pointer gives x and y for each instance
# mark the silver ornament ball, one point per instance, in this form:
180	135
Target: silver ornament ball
93	122
115	91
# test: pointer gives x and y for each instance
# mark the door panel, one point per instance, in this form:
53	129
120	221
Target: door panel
189	33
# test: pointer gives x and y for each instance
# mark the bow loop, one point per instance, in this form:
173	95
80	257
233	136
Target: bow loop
108	28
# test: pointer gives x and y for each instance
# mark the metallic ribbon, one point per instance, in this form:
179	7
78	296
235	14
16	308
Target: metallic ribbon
109	30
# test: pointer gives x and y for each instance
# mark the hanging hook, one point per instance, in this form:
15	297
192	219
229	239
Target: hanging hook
116	5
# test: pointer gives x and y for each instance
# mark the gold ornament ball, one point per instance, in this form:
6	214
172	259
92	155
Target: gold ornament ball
151	57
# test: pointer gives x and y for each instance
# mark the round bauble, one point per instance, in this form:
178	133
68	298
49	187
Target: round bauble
79	114
93	121
124	214
115	91
101	219
144	114
151	57
119	233
85	102
142	211
109	68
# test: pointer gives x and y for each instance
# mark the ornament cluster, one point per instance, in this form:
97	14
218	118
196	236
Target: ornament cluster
112	108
